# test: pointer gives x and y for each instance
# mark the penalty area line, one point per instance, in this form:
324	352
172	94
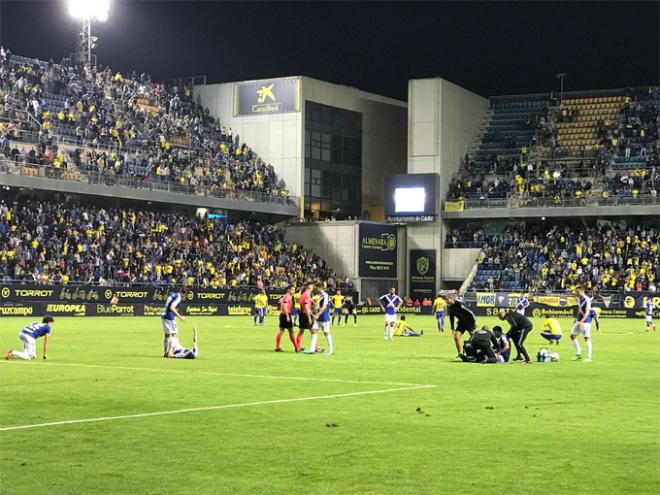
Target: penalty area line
211	408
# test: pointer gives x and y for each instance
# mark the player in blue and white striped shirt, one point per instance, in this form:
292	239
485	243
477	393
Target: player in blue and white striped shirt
582	325
169	315
29	336
523	304
648	314
390	304
175	350
321	321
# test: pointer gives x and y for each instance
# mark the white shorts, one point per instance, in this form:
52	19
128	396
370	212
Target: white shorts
390	318
29	344
585	329
649	318
324	326
169	326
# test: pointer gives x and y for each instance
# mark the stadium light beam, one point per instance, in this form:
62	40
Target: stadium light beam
89	9
86	11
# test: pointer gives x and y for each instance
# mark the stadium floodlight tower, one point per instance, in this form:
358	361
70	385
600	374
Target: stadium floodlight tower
86	11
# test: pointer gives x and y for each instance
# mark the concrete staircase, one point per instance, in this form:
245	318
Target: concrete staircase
481	131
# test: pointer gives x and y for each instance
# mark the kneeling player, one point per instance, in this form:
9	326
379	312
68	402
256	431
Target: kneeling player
479	347
503	345
174	349
551	330
403	330
29	336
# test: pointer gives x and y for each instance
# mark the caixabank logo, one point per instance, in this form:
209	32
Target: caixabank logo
269	96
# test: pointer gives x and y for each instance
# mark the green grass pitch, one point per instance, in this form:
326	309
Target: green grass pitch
376	418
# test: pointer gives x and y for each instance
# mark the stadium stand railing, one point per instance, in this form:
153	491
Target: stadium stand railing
9	167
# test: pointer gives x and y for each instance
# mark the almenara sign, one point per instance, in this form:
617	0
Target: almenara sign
267	96
377	250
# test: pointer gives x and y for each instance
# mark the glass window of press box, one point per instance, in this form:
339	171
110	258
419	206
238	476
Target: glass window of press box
333	162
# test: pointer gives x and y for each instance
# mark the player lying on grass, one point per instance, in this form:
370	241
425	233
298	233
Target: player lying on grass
480	347
403	330
551	330
174	349
29	336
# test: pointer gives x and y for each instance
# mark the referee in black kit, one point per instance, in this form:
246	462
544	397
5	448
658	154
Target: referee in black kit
520	328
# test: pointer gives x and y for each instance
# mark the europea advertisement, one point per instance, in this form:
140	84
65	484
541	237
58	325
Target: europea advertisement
377	251
267	96
422	274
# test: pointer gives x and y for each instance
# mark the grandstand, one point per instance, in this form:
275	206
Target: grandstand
97	127
537	150
44	242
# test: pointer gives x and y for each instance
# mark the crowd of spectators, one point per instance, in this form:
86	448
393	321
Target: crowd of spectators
125	126
633	183
549	185
48	242
559	258
529	174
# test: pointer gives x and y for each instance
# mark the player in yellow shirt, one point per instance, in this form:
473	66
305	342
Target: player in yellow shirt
260	307
296	307
439	308
551	330
337	302
403	330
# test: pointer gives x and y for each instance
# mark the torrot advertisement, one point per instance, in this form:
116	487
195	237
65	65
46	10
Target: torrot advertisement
377	251
422	274
267	96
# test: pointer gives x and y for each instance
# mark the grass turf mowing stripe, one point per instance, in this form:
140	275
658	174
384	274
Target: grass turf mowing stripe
218	373
211	408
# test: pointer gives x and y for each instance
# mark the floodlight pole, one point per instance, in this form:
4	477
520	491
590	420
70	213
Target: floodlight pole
86	42
561	77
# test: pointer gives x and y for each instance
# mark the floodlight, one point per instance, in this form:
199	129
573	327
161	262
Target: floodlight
89	9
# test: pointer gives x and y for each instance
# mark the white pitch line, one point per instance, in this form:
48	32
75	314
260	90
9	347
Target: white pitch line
216	373
210	408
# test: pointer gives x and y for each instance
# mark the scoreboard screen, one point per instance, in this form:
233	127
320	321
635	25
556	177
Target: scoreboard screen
411	198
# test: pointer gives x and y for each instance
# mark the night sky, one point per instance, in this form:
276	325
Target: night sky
491	48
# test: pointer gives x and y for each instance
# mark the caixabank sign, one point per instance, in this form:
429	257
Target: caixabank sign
267	96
